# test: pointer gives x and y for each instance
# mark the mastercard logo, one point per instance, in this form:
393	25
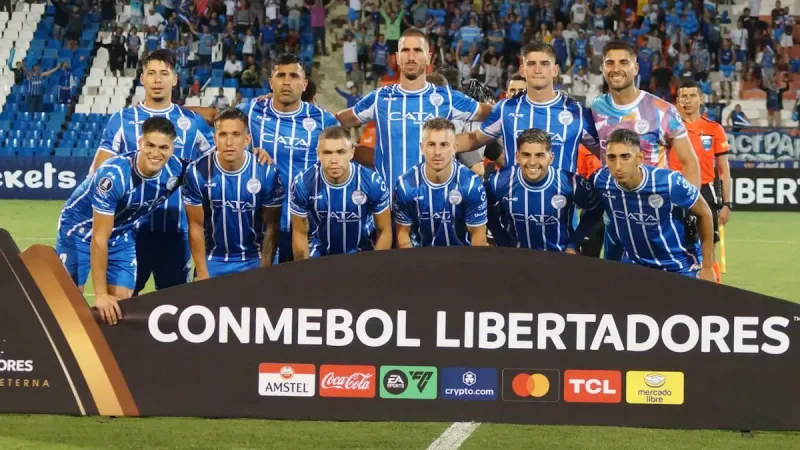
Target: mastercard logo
530	385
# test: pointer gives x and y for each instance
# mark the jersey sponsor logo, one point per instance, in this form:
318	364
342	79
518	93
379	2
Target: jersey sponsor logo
443	216
592	386
558	201
516	116
436	100
455	197
655	201
289	141
538	219
638	218
184	123
654	388
286	380
236	206
417	117
359	197
347	381
339	216
309	124
565	117
253	186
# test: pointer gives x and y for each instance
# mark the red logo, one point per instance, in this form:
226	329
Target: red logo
592	386
347	381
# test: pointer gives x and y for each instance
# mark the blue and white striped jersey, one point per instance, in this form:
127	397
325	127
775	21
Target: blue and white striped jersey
399	116
567	122
289	138
440	213
117	188
538	215
193	139
649	220
341	217
232	204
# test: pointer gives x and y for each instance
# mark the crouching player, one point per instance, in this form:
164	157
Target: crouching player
345	205
233	203
647	208
531	204
439	200
96	224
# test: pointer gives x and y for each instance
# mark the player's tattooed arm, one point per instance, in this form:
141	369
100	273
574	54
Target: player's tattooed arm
364	155
272	228
197	241
300	237
383	225
403	236
348	118
467	142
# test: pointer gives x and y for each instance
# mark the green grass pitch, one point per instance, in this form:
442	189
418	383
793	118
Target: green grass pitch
762	253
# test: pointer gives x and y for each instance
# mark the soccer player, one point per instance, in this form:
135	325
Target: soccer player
162	244
401	110
531	203
710	144
658	123
439	200
96	224
567	121
647	207
288	129
233	203
345	204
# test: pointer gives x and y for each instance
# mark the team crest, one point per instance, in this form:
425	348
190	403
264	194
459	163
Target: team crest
253	186
184	123
105	185
309	124
641	126
437	100
655	201
707	141
558	201
359	198
171	183
565	117
455	197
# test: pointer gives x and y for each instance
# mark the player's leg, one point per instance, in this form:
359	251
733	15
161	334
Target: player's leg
121	273
709	195
75	260
147	253
284	252
173	265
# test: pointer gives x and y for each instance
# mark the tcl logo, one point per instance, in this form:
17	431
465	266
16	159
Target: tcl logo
347	381
592	386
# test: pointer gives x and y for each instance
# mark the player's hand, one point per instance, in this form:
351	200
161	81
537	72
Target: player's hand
571	251
724	215
707	274
109	308
263	98
262	156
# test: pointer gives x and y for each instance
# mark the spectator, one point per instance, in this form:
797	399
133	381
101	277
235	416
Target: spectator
116	55
688	73
169	7
774	99
151	40
766	59
492	67
249	44
170	32
737	119
318	24
243	17
352	97
134	44
238	100
469	36
61	18
786	22
357	77
271	8
206	41
393	22
19	71
137	13
268	36
580	85
229	41
578	13
233	67
153	19
35	87
194	91
250	77
295	7
74	27
64	88
419	12
349	51
663	77
108	14
182	54
380	54
714	109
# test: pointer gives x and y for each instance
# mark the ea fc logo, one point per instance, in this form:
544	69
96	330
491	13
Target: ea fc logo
530	385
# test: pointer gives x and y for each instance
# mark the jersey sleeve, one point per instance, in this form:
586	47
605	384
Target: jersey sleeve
329	120
590	138
111	140
108	189
298	197
493	126
672	124
681	192
585	195
402	205
204	137
490	186
272	192
191	187
462	107
245	106
378	194
365	108
475	205
721	146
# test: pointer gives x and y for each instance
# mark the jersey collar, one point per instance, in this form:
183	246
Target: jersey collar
156	111
340	185
552	102
629	105
645	177
247	157
438	185
286	114
543	184
418	91
136	168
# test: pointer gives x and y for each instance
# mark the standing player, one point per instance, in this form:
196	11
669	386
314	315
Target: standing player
401	110
96	224
567	121
233	203
288	129
533	201
658	123
440	200
346	205
710	144
162	244
647	207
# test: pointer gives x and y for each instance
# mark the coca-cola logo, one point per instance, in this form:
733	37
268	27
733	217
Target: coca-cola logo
356	381
347	381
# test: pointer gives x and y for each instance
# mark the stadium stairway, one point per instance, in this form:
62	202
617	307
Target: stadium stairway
331	74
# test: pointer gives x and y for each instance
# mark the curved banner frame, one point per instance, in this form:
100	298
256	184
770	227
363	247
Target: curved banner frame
440	334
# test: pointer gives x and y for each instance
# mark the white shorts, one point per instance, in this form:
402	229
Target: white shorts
786	40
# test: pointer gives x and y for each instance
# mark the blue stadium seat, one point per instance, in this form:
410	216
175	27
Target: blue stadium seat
39	116
80	151
16	133
94	127
6	151
24	151
86	136
50	134
39	151
85	143
36	125
54	44
63	151
5	125
49	99
60	108
26	116
230	83
11	107
59	117
79	117
72	135
13	142
248	92
75	126
48	143
97	118
50	53
68	143
215	83
54	125
33	134
65	54
30	143
93	150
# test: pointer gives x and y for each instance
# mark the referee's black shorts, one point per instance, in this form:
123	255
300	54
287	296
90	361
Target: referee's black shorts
710	196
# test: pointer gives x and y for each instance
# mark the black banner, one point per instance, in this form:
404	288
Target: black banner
440	334
766	189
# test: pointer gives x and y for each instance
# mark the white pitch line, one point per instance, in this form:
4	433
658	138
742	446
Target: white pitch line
453	437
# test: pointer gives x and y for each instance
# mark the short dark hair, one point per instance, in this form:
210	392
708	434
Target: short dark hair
451	75
624	136
233	114
619	44
416	32
534	136
311	91
159	125
688	84
438	124
516	77
163	55
285	59
437	79
539	46
334	132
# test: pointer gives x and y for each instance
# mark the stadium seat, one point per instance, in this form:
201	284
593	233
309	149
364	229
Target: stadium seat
6	151
80	151
17	133
63	151
33	134
50	134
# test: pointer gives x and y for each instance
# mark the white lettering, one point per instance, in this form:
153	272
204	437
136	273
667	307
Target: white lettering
740	334
607	333
361	328
515	330
652	333
240	328
553	334
208	319
716	336
491	324
152	323
336	328
304	326
580	321
666	333
283	326
402	330
772	333
441	332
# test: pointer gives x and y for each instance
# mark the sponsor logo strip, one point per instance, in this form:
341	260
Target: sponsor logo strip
592	386
286	380
462	383
654	388
531	385
409	382
347	381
